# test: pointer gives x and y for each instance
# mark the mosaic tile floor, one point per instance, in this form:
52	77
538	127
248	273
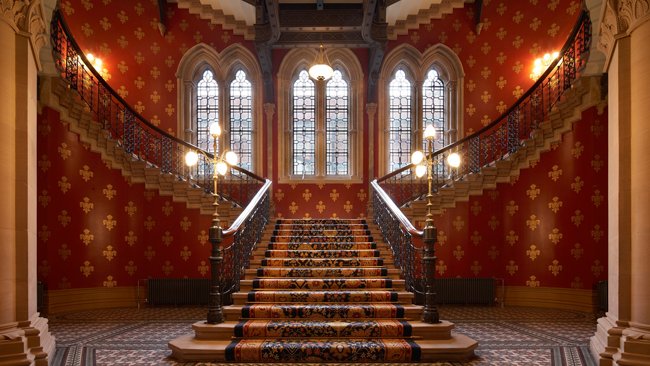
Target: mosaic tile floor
509	336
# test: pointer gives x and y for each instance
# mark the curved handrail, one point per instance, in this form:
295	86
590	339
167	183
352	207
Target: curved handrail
136	135
257	199
399	215
508	133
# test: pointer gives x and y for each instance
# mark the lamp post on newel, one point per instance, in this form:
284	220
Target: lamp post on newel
220	164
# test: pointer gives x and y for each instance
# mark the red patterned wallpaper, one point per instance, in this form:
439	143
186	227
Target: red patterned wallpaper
142	65
546	228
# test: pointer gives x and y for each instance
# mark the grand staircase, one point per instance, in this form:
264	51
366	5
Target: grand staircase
322	290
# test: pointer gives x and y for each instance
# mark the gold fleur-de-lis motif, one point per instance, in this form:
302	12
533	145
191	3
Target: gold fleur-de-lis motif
293	207
306	195
597	198
476	268
203	268
149	195
577	218
167	208
555	204
362	195
167	268
149	253
85	173
458	223
348	206
203	237
533	222
555	267
441	267
64	218
577	150
109	253
597	163
86	205
555	236
517	67
471	85
533	252
459	252
64	151
185	223
44	198
130	268
334	195
110	282
471	37
131	238
44	268
512	208
597	128
577	251
109	192
442	238
130	208
485	97
597	268
149	223
225	37
167	238
577	283
109	222
533	192
64	251
86	237
532	282
415	37
597	233
577	184
512	237
279	195
511	267
476	208
320	207
470	109
170	110
44	234
501	83
64	283
87	269
44	164
486	72
186	253
476	238
64	185
493	253
555	173
535	23
493	223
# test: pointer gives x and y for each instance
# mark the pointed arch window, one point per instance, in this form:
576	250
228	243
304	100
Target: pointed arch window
241	119
400	117
207	109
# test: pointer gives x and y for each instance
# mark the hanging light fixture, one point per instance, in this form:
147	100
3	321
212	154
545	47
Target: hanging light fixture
321	70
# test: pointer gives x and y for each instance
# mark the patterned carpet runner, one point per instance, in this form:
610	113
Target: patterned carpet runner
323	293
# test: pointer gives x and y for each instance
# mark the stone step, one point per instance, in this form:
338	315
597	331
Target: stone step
321	272
320	283
348	296
323	311
311	253
320	262
323	239
318	246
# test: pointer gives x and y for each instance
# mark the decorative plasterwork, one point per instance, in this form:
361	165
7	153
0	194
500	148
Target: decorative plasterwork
620	18
26	18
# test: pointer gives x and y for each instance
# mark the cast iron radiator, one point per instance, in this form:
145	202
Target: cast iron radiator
465	290
178	291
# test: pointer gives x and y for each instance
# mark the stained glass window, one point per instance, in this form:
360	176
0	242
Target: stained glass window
337	125
433	107
400	121
304	125
207	110
241	119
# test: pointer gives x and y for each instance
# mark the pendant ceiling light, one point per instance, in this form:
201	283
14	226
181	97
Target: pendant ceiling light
321	70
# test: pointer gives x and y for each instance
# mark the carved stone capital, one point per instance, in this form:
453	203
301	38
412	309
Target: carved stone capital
620	18
26	18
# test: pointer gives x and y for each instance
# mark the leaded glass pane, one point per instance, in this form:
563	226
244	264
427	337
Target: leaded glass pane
337	125
433	107
241	119
400	115
207	101
304	125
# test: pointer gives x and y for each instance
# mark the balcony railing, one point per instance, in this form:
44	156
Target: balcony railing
145	142
496	141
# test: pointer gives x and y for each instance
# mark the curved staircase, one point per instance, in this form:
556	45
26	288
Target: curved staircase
322	290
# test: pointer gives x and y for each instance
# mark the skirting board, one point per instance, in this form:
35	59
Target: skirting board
80	299
550	297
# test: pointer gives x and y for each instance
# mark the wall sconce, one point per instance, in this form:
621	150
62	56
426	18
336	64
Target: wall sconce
541	64
321	70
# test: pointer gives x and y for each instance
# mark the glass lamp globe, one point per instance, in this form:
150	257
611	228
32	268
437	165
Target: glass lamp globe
191	158
231	158
417	157
215	130
420	170
453	160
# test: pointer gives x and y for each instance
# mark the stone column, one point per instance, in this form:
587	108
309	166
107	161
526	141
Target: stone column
24	335
623	335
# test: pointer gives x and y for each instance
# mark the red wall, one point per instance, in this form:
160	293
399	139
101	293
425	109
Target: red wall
142	65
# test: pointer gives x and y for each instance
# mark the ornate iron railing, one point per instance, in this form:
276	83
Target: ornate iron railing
496	141
506	134
148	143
